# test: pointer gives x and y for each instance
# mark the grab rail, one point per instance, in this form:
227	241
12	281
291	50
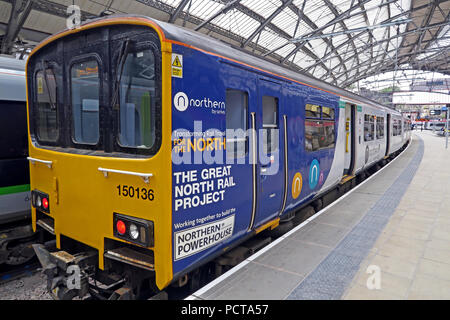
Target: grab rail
144	176
46	162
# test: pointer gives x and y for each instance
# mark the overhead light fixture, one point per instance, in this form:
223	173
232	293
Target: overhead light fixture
106	12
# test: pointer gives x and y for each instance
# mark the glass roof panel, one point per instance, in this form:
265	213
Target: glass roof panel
357	39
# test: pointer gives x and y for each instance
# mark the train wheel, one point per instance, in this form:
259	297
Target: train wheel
19	254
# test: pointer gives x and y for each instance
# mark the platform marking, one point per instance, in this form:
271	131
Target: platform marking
197	295
345	259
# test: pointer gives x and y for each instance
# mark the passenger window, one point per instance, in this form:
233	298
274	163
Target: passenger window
85	87
313	111
328	113
380	127
319	127
312	134
396	127
137	101
270	124
327	140
236	104
369	127
47	115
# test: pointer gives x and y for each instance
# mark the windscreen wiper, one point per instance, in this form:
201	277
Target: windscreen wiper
50	98
120	66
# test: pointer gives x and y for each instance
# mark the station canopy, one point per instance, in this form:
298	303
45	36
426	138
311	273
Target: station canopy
338	41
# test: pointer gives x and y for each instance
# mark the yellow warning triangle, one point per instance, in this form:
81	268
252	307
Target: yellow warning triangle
176	62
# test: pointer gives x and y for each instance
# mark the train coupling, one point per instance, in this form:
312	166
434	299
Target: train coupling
67	275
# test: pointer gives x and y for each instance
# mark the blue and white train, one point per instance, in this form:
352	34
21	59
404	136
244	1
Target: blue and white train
159	149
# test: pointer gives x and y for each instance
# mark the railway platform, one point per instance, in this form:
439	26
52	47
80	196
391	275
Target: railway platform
388	238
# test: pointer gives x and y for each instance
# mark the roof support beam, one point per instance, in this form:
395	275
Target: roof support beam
224	10
180	8
19	13
317	30
264	23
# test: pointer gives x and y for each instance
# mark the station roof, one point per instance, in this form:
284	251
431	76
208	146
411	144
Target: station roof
339	41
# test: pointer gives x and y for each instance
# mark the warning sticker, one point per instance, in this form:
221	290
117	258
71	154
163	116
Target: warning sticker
177	65
193	240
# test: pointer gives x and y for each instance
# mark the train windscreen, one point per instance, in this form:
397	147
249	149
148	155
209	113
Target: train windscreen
98	92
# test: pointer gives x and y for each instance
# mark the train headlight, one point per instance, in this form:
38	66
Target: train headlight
40	201
134	232
132	229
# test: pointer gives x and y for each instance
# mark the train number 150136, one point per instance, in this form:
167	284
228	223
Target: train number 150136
135	192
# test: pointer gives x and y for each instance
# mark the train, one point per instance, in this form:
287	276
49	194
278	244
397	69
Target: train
16	234
156	151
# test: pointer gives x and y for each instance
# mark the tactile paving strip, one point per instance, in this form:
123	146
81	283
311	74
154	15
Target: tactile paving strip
332	276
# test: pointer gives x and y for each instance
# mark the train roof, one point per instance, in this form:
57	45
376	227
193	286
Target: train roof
12	79
206	43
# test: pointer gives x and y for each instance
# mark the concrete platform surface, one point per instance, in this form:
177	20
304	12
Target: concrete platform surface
389	238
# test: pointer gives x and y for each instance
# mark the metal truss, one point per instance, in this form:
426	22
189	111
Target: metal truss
338	41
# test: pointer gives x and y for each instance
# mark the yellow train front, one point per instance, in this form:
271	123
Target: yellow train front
100	176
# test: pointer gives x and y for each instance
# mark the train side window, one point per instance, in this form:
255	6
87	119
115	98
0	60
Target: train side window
85	87
313	111
327	113
137	100
270	124
369	127
396	129
312	127
380	127
47	106
327	139
236	104
319	127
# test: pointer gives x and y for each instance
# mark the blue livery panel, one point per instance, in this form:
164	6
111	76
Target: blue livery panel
212	191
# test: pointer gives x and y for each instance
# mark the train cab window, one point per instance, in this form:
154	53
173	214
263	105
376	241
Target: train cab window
137	100
270	124
85	87
380	127
369	127
46	105
319	127
236	121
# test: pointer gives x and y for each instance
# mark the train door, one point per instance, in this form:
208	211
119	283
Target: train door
388	133
270	151
350	138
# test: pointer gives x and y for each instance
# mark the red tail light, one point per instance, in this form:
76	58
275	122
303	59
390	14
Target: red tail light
45	203
40	201
121	227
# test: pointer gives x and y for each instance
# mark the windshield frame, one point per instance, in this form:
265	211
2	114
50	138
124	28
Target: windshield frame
92	56
60	55
141	43
50	65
